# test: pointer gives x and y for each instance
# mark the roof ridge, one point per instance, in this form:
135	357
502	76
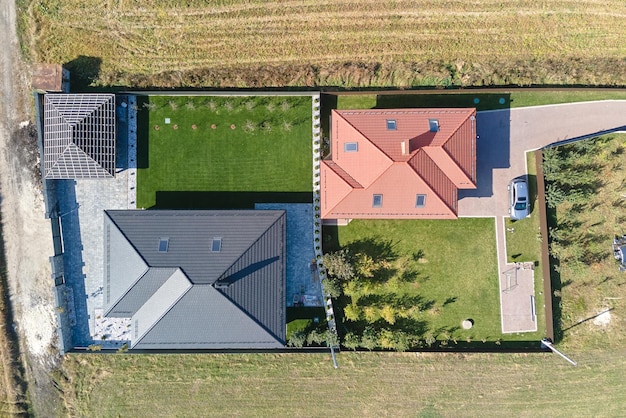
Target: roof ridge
443	146
366	138
164	313
56	160
433	189
221	276
106	212
250	316
125	293
343	174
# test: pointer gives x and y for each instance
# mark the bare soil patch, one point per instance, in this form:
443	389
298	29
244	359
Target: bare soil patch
26	236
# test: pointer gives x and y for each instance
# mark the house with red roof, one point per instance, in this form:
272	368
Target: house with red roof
398	163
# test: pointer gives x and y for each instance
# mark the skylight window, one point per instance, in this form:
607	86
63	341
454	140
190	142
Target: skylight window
420	200
351	146
216	245
164	244
377	201
391	125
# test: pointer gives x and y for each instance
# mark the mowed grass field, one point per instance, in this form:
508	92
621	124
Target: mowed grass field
223	144
485	101
334	43
365	384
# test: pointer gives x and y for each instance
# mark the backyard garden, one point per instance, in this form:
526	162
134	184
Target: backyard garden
202	151
403	284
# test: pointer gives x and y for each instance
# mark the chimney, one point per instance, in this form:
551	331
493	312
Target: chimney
403	146
433	125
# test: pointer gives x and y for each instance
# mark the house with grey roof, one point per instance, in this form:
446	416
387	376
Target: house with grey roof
197	279
79	136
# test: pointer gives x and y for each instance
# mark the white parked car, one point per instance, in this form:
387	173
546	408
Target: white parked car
519	202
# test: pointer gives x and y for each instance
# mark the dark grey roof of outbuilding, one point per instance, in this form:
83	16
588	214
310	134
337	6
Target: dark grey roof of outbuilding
79	136
189	296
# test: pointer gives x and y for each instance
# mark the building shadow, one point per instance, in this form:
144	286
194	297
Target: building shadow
226	200
74	264
84	70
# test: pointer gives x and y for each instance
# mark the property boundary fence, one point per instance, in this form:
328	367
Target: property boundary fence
545	254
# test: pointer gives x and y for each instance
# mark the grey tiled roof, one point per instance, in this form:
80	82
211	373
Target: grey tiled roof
79	136
189	296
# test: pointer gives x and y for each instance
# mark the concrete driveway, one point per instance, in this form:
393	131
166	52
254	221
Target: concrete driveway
504	138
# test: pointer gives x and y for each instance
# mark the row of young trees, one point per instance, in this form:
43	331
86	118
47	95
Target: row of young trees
369	284
572	175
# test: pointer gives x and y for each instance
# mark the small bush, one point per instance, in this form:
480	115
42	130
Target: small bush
297	339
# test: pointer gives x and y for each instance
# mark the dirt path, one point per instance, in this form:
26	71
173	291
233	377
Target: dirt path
25	231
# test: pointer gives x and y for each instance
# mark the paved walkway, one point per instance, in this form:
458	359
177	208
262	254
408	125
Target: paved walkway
504	138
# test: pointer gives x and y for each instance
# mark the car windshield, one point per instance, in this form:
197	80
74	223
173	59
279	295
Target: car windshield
520	206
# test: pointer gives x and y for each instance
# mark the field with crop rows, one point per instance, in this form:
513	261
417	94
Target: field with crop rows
329	42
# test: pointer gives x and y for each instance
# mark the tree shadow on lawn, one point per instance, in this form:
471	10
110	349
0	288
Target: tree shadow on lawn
402	302
226	200
378	249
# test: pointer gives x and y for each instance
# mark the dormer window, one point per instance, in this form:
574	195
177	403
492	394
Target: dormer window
391	125
351	147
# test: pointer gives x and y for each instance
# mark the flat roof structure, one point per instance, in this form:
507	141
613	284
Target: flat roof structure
79	136
197	279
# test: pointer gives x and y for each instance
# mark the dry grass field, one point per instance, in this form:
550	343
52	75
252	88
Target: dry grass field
341	43
365	385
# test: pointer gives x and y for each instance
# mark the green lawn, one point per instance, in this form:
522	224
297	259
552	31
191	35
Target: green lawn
523	242
486	101
238	144
365	384
453	266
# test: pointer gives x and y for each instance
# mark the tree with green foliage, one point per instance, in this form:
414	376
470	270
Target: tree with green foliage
297	339
332	286
351	341
339	265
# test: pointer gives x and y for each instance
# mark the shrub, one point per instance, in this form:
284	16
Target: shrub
297	339
351	341
368	340
332	287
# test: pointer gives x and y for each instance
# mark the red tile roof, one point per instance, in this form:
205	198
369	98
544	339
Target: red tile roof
399	157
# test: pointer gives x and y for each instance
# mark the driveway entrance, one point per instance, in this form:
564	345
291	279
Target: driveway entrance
504	137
